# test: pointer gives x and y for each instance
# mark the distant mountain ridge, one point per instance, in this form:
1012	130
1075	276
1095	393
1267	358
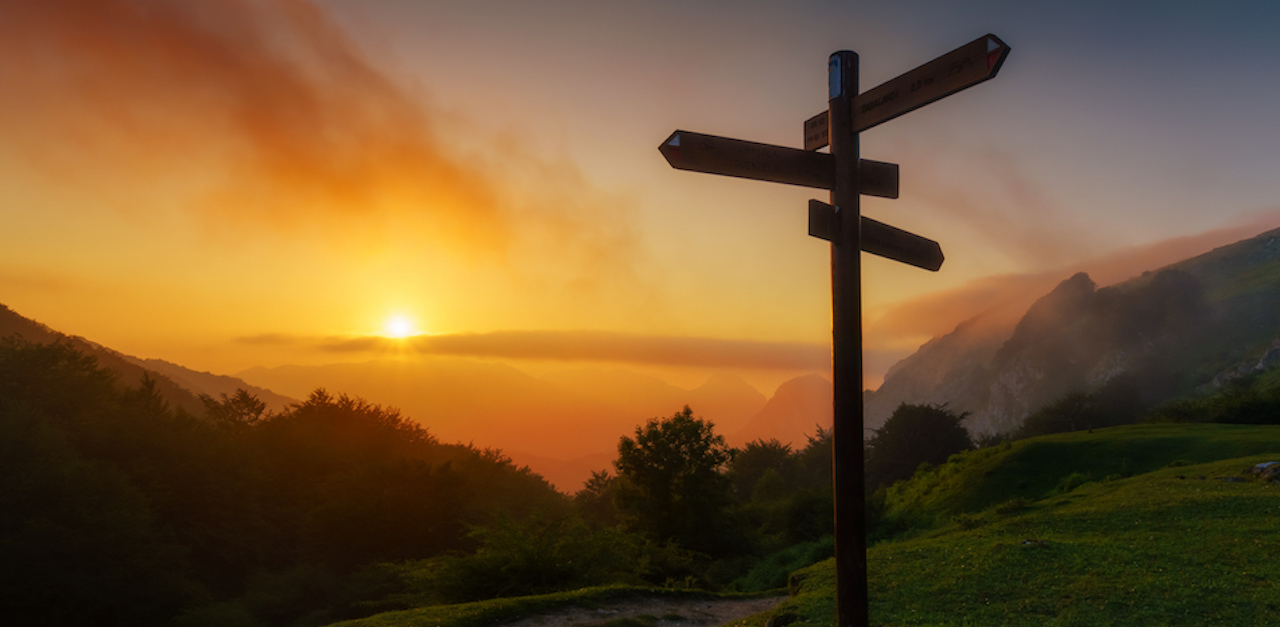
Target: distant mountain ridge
1170	331
126	371
563	424
214	385
799	408
178	385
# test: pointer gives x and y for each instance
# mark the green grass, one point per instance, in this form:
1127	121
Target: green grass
1149	550
1174	544
1033	469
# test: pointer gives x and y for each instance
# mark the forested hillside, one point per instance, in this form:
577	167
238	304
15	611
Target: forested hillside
118	509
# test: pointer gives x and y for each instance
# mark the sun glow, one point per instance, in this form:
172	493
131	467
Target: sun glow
399	327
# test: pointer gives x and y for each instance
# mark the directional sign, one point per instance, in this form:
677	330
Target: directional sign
824	221
893	243
964	67
877	178
816	131
748	160
877	238
765	162
959	69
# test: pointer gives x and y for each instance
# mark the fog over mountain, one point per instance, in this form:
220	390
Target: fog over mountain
1168	332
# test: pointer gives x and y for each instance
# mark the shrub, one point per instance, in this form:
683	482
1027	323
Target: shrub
1072	481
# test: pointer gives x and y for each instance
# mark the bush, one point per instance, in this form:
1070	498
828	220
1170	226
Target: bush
1072	481
772	572
540	555
914	438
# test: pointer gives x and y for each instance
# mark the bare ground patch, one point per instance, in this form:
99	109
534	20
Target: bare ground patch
653	612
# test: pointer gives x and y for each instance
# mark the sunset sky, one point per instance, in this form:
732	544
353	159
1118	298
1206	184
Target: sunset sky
234	183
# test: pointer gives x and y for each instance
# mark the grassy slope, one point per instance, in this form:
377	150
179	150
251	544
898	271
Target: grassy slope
1031	469
1161	548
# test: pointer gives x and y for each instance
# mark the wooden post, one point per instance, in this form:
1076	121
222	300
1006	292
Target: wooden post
846	323
841	223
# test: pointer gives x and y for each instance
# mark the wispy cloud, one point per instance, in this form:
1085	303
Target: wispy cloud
263	113
597	346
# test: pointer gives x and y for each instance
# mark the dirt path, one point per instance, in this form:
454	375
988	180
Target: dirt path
654	612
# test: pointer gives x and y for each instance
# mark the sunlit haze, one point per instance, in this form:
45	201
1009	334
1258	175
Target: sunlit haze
241	183
399	327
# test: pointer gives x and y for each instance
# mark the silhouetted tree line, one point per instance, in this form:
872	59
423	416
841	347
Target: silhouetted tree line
1252	399
117	510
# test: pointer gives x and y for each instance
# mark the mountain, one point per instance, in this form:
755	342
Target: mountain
126	371
563	424
797	409
214	385
458	399
725	399
1166	333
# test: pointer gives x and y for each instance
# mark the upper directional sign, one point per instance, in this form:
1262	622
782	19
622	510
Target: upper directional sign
964	67
765	162
959	69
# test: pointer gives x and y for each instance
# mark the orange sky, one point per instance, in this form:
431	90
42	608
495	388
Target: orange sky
259	182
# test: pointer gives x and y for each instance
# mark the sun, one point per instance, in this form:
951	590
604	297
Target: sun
399	327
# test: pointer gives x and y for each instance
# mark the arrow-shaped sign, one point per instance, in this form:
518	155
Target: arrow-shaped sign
765	162
964	67
748	160
894	243
877	238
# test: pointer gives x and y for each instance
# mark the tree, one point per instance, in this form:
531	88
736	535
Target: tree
595	501
759	457
1115	403
913	435
234	412
672	483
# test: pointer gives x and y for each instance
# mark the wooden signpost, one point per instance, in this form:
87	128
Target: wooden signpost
840	222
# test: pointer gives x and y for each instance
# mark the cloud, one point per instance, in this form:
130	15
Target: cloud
263	113
999	201
581	346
